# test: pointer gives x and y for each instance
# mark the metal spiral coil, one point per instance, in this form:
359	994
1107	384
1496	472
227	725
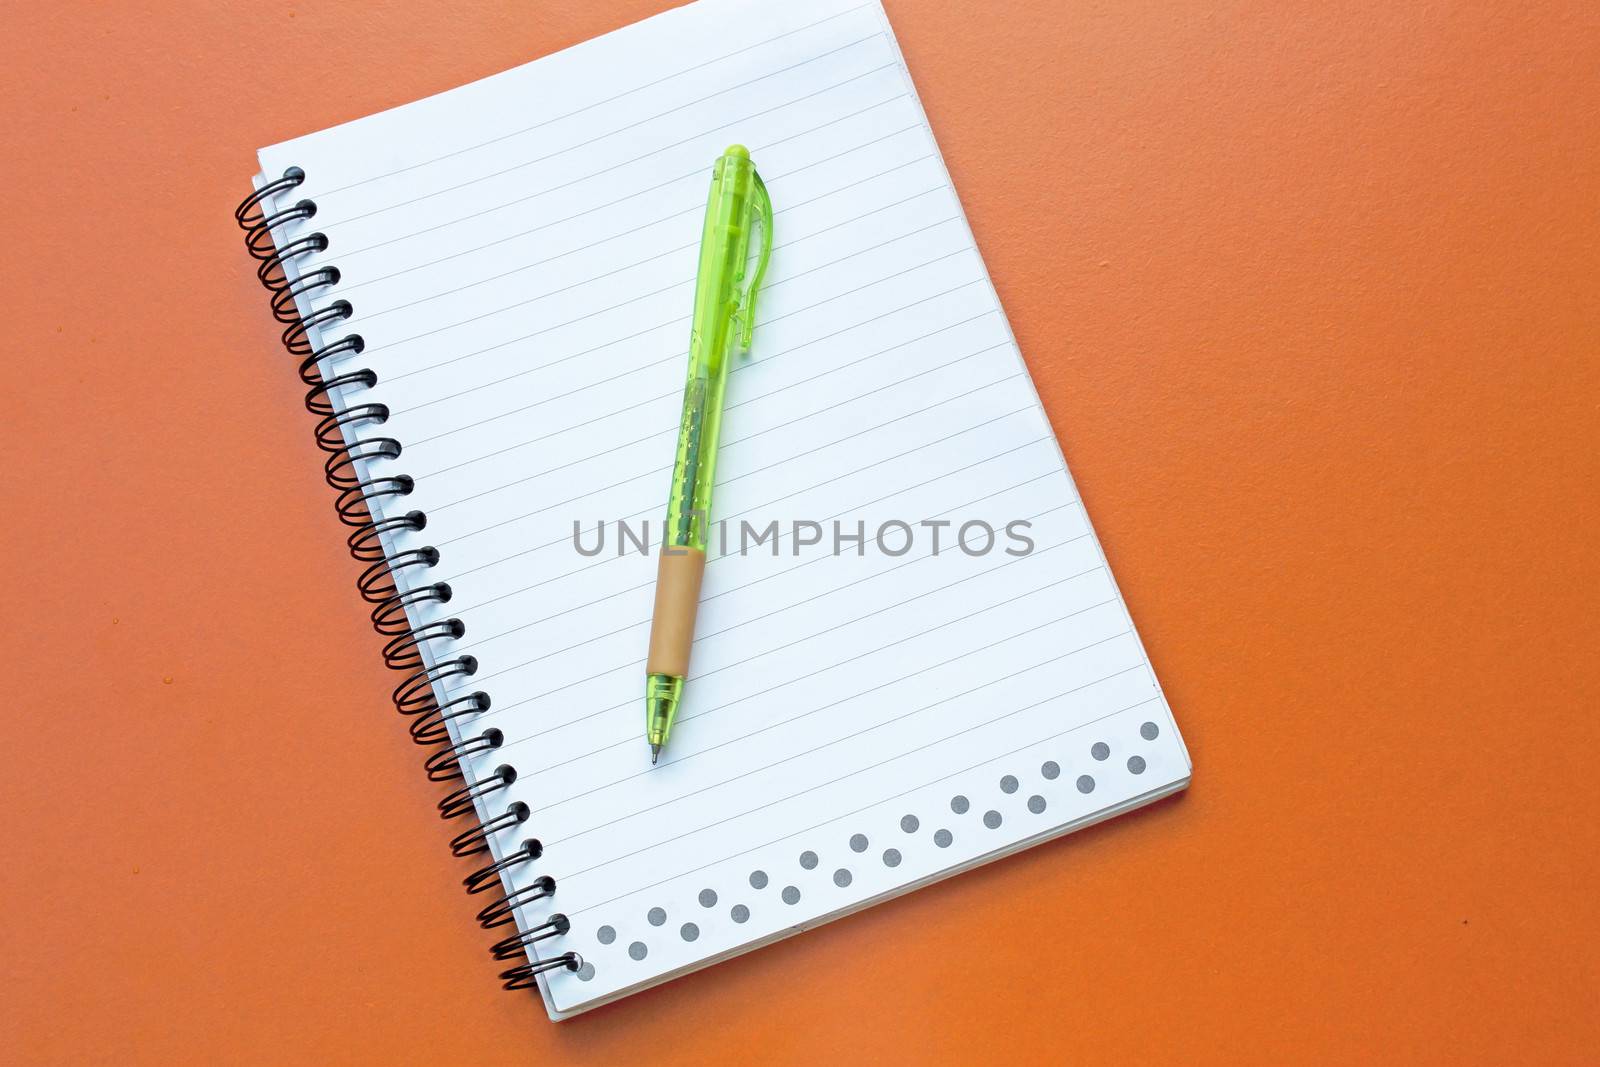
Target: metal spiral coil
404	653
261	242
331	427
475	841
351	503
311	365
429	728
501	911
366	543
297	337
515	946
250	209
415	695
444	765
271	270
463	800
527	975
390	618
319	398
488	876
345	434
284	308
377	582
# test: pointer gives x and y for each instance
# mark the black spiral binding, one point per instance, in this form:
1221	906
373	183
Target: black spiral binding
416	695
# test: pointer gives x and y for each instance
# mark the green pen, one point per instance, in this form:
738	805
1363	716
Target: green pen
723	318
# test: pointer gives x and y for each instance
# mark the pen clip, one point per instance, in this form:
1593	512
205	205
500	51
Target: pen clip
761	208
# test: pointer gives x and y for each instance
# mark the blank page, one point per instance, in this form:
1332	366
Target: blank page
864	714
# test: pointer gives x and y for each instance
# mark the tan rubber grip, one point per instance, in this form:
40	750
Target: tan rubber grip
677	601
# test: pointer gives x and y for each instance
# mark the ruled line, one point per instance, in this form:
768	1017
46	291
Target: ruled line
589	107
713	562
479	679
596	455
766	361
649	119
881	763
367	317
481	641
684	354
746	511
818	748
389	346
334	226
776	543
678	320
844	815
655	508
701	675
347	287
678	283
774	688
688	175
589	422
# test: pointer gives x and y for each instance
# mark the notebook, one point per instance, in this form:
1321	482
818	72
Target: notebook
911	656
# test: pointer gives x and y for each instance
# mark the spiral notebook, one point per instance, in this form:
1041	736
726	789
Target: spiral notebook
487	294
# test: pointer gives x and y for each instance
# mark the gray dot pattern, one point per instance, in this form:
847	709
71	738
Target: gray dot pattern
1050	770
586	972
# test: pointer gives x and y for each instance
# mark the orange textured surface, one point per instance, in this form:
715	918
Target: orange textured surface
1312	293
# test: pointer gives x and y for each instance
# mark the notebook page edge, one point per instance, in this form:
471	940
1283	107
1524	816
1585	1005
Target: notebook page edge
573	53
1161	792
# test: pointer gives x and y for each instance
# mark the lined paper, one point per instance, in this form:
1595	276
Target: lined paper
520	257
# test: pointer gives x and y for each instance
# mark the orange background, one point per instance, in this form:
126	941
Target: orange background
1312	293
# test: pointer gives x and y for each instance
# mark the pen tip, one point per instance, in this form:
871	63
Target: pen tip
655	754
